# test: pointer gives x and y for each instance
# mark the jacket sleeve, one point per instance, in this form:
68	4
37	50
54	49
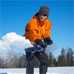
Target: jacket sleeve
32	31
47	29
29	30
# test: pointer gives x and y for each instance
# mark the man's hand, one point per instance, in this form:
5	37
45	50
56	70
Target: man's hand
48	41
41	43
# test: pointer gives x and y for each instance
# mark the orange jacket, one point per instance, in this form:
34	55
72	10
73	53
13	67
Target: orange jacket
38	30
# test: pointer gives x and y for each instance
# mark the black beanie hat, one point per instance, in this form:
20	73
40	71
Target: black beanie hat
44	10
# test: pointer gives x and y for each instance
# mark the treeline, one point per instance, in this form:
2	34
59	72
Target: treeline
66	58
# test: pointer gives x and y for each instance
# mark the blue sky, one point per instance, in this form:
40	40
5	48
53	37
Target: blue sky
14	15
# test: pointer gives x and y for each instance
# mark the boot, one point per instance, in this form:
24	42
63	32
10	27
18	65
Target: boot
43	69
29	68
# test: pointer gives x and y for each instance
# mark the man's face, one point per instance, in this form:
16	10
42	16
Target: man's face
42	17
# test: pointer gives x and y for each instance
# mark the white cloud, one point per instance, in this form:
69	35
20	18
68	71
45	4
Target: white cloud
13	44
12	37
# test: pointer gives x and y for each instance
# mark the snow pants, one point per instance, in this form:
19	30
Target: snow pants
43	59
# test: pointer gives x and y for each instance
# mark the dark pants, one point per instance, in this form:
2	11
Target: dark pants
43	59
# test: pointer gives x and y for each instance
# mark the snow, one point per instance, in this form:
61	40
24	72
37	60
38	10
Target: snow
51	70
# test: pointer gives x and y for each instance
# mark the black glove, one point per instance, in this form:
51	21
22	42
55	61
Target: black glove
48	41
40	42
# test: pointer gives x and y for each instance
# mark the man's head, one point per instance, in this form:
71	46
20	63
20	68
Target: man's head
42	17
43	13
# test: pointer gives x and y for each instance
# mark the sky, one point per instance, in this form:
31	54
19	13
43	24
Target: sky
15	14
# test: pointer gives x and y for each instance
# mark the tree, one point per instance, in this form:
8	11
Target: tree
70	57
52	60
22	61
61	58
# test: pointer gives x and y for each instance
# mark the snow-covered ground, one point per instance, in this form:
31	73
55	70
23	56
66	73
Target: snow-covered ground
51	70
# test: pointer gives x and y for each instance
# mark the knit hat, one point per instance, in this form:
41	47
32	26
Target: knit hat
44	10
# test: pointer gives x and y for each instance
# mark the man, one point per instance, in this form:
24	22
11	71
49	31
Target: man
38	31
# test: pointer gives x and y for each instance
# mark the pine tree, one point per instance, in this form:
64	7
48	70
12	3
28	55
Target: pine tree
70	57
